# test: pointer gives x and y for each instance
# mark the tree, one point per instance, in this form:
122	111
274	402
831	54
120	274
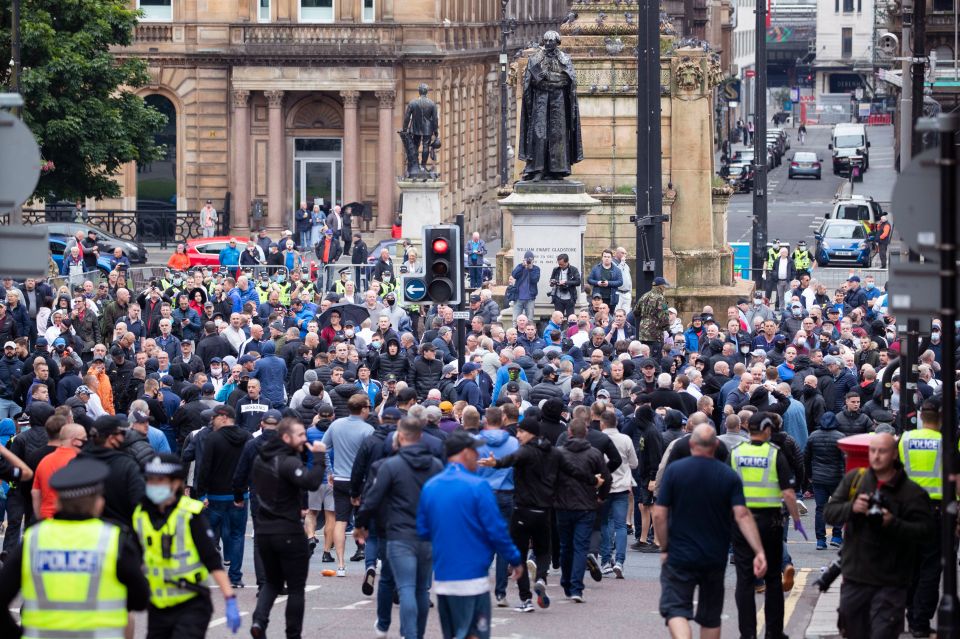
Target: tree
77	93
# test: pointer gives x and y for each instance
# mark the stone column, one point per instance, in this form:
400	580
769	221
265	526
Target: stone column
240	132
276	162
386	177
351	147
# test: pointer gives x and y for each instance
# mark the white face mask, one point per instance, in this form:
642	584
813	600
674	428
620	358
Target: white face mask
215	371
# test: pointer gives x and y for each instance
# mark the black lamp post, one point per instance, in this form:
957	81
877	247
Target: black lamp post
506	28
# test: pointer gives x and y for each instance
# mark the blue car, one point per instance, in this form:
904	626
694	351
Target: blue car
58	244
843	242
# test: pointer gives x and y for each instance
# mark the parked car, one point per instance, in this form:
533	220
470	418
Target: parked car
58	245
206	251
741	177
857	208
842	242
804	163
134	251
783	136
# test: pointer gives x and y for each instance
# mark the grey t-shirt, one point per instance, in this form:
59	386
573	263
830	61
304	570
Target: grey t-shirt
343	438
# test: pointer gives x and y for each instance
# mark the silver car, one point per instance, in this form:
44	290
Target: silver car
804	163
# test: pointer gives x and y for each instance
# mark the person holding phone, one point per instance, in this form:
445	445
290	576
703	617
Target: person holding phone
526	276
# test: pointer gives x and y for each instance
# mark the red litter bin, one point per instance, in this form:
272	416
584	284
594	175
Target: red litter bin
857	450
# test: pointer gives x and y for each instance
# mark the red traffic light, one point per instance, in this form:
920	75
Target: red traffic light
440	245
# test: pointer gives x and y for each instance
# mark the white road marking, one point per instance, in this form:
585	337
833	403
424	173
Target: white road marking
222	620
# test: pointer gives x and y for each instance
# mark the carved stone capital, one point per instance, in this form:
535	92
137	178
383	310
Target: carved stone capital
241	98
274	99
386	99
350	99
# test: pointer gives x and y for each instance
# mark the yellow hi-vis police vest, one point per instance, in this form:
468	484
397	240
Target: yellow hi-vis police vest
263	293
801	260
69	581
921	454
182	560
772	256
757	467
285	289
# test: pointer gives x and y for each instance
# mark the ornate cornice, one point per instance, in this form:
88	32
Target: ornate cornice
274	99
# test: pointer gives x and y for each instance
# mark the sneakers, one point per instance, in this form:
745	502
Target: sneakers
821	544
341	572
238	584
593	565
379	634
836	542
368	580
256	630
577	599
502	601
618	571
606	569
650	548
638	545
760	588
358	555
541	589
531	569
526	606
802	507
327	557
788	574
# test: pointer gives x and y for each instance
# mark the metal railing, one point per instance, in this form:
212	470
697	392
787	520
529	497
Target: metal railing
163	227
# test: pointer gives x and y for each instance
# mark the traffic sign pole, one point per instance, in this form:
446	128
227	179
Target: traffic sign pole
463	305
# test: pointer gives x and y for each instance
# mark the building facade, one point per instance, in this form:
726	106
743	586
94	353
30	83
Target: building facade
273	102
844	56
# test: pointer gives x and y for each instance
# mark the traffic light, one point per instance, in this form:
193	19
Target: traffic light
443	259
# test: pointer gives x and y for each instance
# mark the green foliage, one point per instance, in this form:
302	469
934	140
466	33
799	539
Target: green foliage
625	189
77	98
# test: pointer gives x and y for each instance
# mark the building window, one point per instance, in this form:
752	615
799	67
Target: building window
369	11
156	10
943	5
263	10
846	43
316	10
848	6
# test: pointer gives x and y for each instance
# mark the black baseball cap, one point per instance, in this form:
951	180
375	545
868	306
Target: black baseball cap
459	441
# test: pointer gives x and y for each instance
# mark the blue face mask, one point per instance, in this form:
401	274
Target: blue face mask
281	278
158	493
374	344
869	286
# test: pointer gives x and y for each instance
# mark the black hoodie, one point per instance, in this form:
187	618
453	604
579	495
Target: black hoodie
221	454
124	486
280	479
573	494
536	468
394	496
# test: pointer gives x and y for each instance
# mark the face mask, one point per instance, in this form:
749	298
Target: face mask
390	302
215	371
281	278
304	278
869	286
797	312
348	333
374	344
158	493
800	340
757	302
935	337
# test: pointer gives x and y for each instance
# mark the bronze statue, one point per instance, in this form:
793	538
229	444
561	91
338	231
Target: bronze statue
550	118
420	134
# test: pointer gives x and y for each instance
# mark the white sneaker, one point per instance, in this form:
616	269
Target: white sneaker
531	569
502	601
341	572
379	634
802	507
618	571
577	599
525	606
606	569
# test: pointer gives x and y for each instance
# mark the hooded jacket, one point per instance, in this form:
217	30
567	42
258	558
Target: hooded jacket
650	447
272	373
469	391
394	495
217	464
572	494
501	444
138	447
425	375
280	480
396	364
339	396
124	487
814	407
536	468
823	458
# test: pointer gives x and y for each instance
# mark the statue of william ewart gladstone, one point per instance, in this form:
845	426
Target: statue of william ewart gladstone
550	118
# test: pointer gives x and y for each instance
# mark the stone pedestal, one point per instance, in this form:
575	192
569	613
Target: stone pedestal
421	207
548	218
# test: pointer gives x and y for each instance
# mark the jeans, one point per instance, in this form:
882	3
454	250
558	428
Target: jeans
372	548
531	527
524	307
8	408
821	494
615	528
505	504
229	524
209	231
412	565
475	271
171	434
386	586
286	558
462	617
574	527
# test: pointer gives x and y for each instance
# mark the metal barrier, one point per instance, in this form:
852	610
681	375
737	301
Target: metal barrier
832	277
77	280
880	119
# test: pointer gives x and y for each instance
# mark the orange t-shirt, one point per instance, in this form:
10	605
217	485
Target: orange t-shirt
41	479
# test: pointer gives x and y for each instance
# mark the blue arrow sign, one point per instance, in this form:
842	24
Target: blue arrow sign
414	289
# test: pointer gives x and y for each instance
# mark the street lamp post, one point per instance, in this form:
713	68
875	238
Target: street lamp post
760	145
506	28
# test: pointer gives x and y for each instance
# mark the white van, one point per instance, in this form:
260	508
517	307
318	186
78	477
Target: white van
849	139
857	208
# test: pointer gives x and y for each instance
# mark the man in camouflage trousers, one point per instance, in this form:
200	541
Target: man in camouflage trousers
652	317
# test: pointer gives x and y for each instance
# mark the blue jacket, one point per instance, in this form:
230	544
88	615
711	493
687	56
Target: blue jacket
501	444
272	373
189	331
239	298
614	282
795	422
692	340
526	278
458	513
25	328
502	378
469	391
229	256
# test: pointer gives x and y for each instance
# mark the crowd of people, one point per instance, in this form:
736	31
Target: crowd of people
559	444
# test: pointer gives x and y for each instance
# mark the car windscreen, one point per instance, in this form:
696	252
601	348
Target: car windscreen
855	212
845	232
848	141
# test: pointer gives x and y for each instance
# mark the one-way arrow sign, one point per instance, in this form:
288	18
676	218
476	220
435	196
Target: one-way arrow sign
414	289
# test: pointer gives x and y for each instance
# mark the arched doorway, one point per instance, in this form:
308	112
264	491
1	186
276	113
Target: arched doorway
157	181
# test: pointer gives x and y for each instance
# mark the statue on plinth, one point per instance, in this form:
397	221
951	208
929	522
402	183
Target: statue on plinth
420	135
550	118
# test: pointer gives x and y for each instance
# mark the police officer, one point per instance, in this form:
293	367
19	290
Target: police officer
767	479
264	287
78	575
801	259
306	288
284	287
773	252
921	455
179	554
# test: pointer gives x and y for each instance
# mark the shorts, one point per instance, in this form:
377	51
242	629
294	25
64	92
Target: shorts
462	617
644	496
342	506
676	594
321	498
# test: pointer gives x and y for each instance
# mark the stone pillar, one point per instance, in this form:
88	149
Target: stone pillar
276	161
351	147
386	175
240	132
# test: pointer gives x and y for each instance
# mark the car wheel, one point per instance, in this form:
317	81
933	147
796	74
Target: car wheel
818	176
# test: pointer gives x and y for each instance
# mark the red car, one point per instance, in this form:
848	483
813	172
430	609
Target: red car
205	251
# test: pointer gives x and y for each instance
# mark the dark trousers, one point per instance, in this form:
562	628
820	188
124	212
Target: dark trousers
17	510
574	527
567	307
821	494
505	504
530	527
286	558
924	593
188	620
656	350
871	611
770	526
882	250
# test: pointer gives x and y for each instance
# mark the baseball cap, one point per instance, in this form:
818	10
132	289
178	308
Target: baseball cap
116	351
97	358
830	360
530	425
349	324
449	368
41	341
597	296
391	377
392	413
10	345
528	255
325	410
758	352
659	281
246	358
220	411
207	388
277	325
215	360
648	363
513	387
446	406
166	380
108	425
548	370
853	278
140	418
474	298
603	392
271	415
82	389
470	367
457	442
